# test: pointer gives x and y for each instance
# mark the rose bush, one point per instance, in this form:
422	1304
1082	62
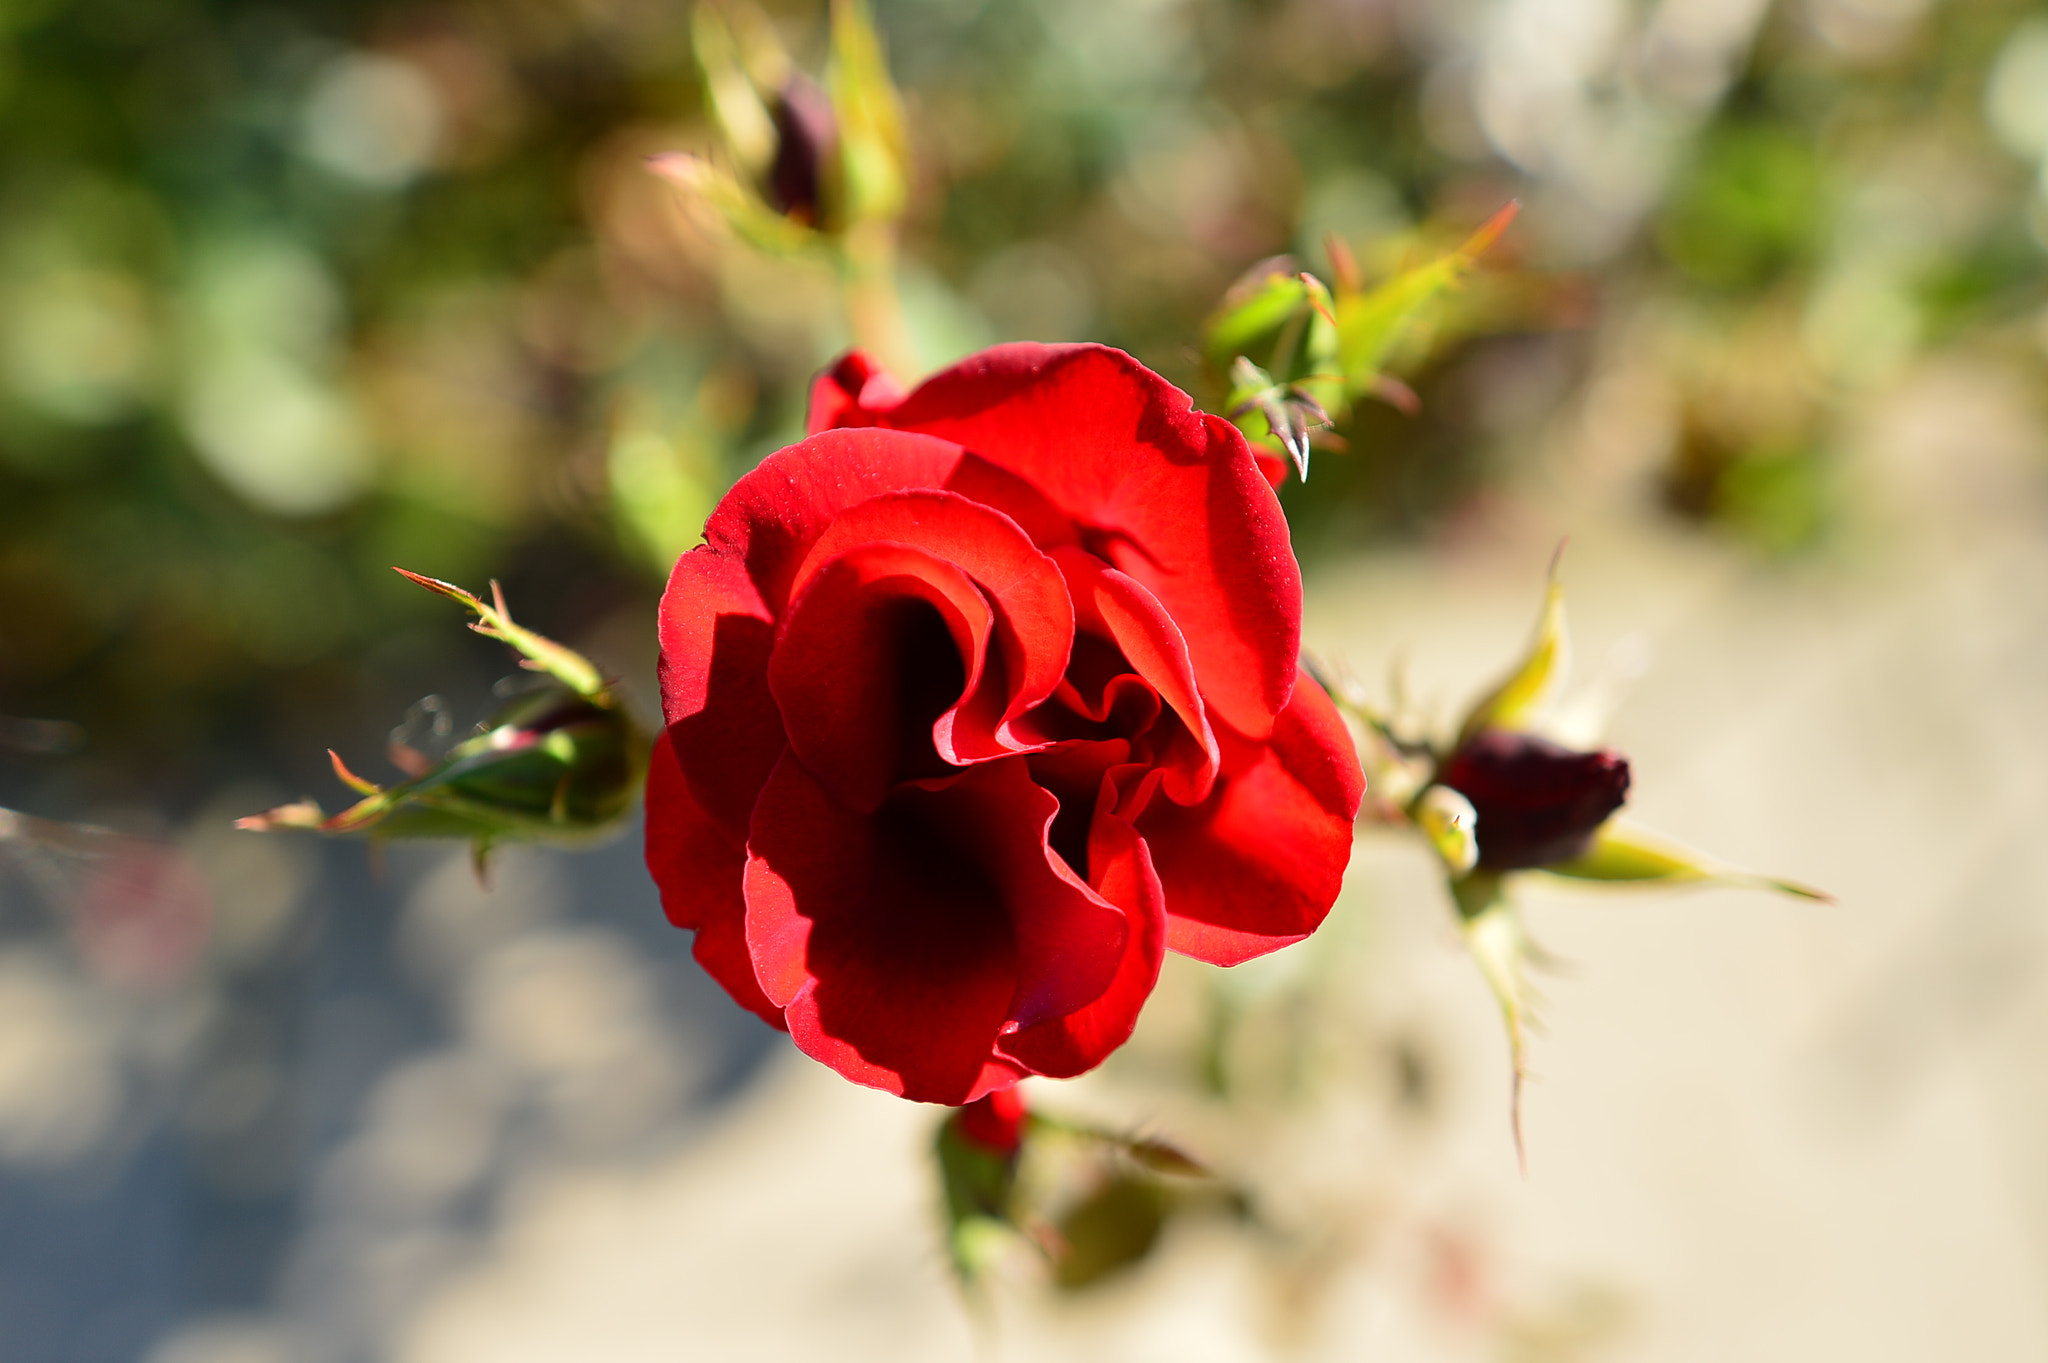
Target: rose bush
979	699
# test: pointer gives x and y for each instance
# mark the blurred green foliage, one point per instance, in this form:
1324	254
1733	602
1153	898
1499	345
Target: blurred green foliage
295	291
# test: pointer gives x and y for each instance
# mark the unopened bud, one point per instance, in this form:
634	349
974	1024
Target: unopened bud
806	140
550	762
1537	803
562	761
994	1121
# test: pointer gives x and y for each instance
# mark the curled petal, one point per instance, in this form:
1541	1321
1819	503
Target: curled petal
1113	605
775	512
1257	865
874	664
724	597
1034	619
1120	869
1167	494
902	943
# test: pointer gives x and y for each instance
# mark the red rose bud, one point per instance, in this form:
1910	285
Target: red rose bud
855	391
806	140
980	698
1537	803
994	1121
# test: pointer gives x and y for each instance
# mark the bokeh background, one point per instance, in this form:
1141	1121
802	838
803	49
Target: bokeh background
291	292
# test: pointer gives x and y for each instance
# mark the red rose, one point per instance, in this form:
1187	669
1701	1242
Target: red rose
979	699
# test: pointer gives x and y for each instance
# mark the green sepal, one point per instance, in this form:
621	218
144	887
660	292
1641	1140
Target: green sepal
738	53
1275	340
1623	853
874	150
1512	703
1450	823
1281	416
735	205
1135	1183
494	621
980	1188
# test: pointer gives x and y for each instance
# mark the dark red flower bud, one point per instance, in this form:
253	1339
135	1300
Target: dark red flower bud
855	391
1537	803
995	1121
806	135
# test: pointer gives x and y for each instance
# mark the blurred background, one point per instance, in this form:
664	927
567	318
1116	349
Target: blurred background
291	292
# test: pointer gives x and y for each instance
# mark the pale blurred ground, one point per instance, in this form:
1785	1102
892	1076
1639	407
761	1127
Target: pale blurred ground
1758	1128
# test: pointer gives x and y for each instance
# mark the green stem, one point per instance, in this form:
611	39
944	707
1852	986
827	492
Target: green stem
874	308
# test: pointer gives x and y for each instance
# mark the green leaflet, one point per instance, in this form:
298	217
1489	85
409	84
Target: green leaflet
1370	324
1296	357
994	1206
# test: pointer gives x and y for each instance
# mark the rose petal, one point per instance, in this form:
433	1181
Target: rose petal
1073	772
700	870
1272	465
853	392
724	596
1113	605
1120	870
716	637
901	943
873	664
980	481
1034	617
1167	494
1257	865
775	512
